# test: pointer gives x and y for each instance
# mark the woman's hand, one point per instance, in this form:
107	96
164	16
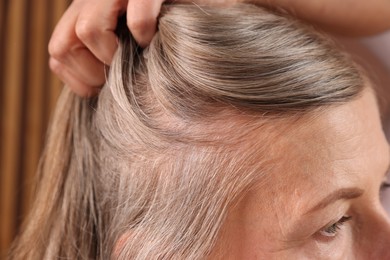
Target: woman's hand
84	41
347	17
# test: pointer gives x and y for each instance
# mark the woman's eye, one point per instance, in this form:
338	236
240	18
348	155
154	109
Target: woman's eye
333	229
385	185
386	182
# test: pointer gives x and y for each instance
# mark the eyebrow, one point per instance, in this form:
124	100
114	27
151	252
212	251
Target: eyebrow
341	194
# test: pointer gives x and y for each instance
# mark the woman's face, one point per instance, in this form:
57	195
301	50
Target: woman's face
323	200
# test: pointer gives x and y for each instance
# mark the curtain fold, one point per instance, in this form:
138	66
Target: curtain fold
28	91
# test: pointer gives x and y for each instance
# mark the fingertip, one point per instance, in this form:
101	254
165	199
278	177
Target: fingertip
142	19
144	38
97	32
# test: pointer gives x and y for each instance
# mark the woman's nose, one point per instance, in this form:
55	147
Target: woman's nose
378	240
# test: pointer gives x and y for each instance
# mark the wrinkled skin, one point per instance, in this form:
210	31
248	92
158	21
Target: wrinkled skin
341	148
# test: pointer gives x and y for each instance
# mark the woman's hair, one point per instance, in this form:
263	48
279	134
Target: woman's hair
150	168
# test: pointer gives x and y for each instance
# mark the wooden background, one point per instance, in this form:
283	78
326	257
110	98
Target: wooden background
28	92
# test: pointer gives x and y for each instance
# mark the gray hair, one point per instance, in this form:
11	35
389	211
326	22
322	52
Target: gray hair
150	168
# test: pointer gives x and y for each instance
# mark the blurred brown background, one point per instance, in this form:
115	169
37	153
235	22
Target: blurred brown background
28	91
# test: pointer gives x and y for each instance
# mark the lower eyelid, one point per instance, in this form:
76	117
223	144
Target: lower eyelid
324	239
326	234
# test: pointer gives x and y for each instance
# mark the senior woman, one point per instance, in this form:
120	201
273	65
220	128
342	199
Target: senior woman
239	133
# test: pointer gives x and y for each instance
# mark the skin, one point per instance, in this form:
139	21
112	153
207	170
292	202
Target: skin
343	148
347	17
84	41
379	74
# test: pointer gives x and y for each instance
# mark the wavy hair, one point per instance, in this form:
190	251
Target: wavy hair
150	168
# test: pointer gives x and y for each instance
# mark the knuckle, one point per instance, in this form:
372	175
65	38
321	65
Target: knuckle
85	31
59	48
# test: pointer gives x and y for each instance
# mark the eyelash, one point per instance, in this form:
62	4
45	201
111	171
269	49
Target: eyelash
385	185
333	229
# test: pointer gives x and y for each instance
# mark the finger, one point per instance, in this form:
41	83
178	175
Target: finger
71	61
142	19
77	86
64	38
86	67
96	26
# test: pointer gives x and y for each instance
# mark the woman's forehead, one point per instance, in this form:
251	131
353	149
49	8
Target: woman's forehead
342	145
343	149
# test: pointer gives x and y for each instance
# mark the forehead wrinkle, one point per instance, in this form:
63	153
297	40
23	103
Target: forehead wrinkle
324	144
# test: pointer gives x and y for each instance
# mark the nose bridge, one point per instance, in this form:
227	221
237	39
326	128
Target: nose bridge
379	245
